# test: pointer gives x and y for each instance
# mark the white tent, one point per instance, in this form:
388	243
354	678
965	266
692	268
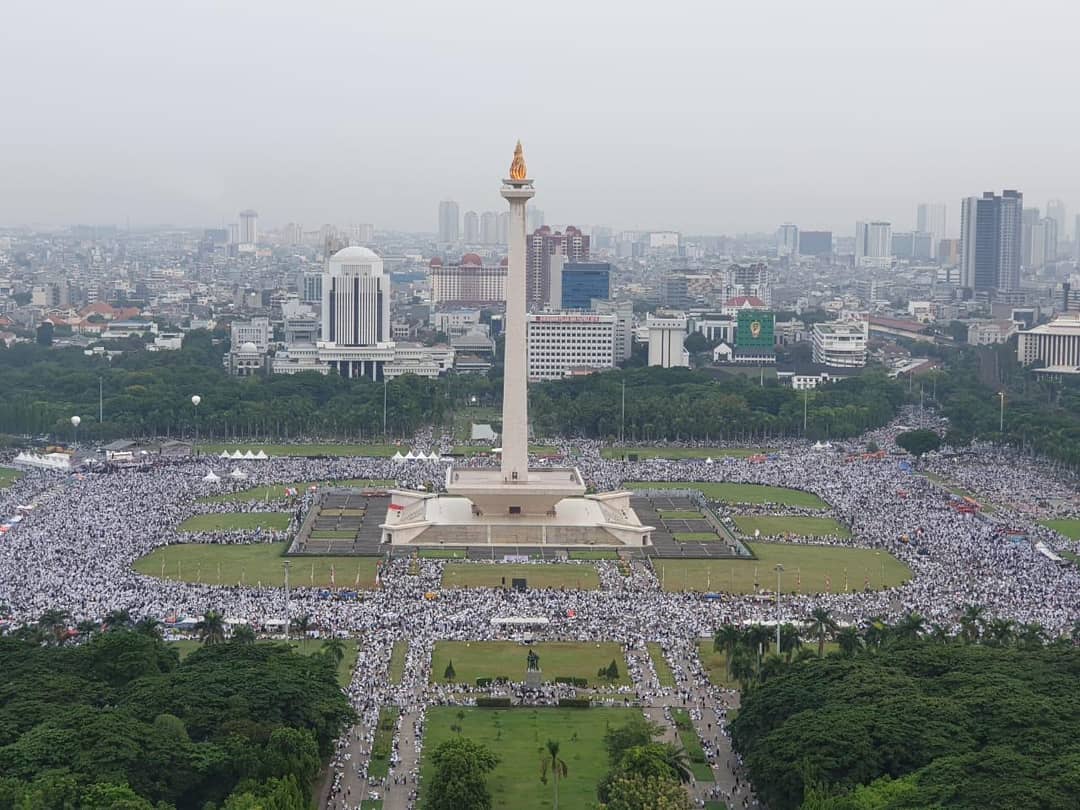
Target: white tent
249	456
224	454
261	455
398	457
433	456
237	473
237	454
709	460
409	456
211	477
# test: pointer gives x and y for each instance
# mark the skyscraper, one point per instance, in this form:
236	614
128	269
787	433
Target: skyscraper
249	229
535	218
873	244
582	282
472	228
1055	210
355	301
815	243
503	232
787	240
489	228
931	218
449	221
541	246
990	235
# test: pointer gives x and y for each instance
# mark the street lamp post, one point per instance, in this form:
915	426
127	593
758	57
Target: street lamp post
195	400
384	381
1001	417
779	570
286	564
75	420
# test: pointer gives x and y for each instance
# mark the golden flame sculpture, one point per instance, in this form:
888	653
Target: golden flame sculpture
517	167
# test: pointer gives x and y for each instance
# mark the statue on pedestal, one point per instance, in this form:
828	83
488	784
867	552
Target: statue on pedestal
534	662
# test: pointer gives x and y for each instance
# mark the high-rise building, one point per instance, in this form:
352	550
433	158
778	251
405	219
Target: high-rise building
787	240
468	283
990	236
249	229
1055	210
364	233
750	281
292	234
667	334
1055	344
873	244
931	218
504	228
570	342
542	245
234	233
1050	239
489	228
355	300
534	217
582	282
312	288
676	291
472	228
815	243
1076	238
449	221
1031	239
624	325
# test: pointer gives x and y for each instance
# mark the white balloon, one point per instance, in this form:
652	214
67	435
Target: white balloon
195	400
75	420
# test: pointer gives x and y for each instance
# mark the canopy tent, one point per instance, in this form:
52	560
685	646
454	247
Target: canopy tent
211	477
261	455
236	454
224	454
249	456
237	473
397	456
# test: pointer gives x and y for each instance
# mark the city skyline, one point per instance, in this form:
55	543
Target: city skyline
177	142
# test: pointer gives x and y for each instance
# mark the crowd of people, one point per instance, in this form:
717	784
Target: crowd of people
75	548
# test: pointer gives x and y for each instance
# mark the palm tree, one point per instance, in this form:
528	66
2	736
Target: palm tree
772	666
910	627
54	621
876	632
300	625
148	626
334	649
939	633
1076	632
676	758
1031	635
790	640
117	619
557	767
1000	633
727	638
87	628
741	666
821	625
849	640
971	621
758	637
212	628
243	634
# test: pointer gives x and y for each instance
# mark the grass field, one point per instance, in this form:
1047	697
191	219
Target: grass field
517	736
738	493
660	664
537	575
344	674
378	450
476	450
1070	527
441	554
8	476
594	555
496	659
697	537
382	745
275	492
796	525
688	735
960	492
397	660
715	663
675	453
236	522
466	417
1073	558
805	570
253	564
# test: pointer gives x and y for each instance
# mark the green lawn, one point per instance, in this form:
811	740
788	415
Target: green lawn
594	555
397	660
688	735
496	659
738	493
805	570
518	736
537	575
441	554
675	453
960	492
697	537
253	564
1068	555
382	745
1070	527
344	674
715	663
275	492
9	476
236	522
660	664
379	450
465	418
770	525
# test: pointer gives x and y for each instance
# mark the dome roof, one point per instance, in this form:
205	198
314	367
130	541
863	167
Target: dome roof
249	348
355	253
472	260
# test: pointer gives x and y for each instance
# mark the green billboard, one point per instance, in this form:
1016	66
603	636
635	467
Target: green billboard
754	329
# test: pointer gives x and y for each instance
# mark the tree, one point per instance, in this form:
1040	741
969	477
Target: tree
1000	633
243	634
459	776
148	626
300	626
449	675
822	625
334	649
790	640
727	638
553	763
632	792
54	622
613	671
637	731
910	626
211	628
44	335
849	640
919	442
971	621
117	619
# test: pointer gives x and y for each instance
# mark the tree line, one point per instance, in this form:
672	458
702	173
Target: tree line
148	394
118	721
907	715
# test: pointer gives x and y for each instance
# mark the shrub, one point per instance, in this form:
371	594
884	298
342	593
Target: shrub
493	702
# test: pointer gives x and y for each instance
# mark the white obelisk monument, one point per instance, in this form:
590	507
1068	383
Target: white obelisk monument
517	190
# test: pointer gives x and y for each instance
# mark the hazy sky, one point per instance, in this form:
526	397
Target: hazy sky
705	117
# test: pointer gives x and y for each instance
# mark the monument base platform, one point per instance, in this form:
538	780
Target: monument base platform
534	678
601	521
